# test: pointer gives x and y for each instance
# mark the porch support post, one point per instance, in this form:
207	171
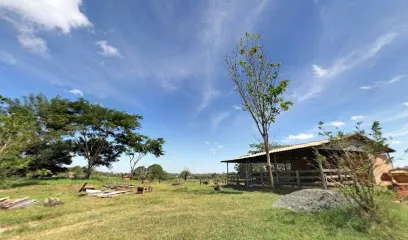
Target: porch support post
227	174
246	174
322	176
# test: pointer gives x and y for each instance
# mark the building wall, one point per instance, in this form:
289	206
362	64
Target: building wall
382	167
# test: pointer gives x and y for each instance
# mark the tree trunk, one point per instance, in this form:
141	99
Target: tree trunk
88	173
88	170
268	161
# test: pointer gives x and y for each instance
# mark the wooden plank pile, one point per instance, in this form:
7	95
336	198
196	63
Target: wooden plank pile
6	203
105	194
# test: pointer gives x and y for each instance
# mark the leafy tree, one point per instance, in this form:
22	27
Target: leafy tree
256	79
95	130
137	146
16	129
47	149
359	160
185	173
16	132
156	171
140	173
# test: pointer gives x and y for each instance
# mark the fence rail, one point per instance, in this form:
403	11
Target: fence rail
293	178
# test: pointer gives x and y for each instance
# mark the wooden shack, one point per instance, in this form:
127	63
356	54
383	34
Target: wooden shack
296	165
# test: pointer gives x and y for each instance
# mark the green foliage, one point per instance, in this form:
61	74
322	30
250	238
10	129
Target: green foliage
140	173
94	130
156	171
357	153
16	129
136	146
185	174
257	81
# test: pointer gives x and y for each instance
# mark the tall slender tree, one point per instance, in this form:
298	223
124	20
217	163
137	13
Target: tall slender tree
257	81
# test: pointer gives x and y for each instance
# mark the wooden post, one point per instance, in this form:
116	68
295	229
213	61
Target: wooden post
298	179
246	174
322	176
340	177
277	175
262	182
200	180
227	174
237	178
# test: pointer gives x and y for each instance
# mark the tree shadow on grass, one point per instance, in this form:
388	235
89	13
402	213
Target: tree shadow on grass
20	183
208	191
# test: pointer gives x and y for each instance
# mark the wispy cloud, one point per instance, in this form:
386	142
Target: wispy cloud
31	17
356	118
107	49
218	119
396	142
405	104
77	92
322	75
7	58
355	57
402	131
383	83
301	136
236	107
215	147
336	124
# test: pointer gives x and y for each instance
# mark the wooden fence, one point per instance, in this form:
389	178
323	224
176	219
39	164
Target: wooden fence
292	179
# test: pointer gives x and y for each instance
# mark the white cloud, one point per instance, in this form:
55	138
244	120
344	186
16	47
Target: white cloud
323	74
403	131
108	50
355	57
207	143
237	107
356	118
383	83
405	104
30	17
319	71
218	119
395	142
302	136
77	92
213	151
33	43
220	146
336	124
7	58
208	96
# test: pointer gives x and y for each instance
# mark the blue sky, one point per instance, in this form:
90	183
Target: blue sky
347	61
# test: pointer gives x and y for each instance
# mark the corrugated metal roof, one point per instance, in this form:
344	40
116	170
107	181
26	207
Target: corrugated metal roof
292	147
284	149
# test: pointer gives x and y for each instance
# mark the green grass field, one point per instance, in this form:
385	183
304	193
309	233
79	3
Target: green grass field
187	211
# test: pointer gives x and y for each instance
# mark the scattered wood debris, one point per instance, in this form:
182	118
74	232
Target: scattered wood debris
85	187
105	194
51	201
6	203
119	186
